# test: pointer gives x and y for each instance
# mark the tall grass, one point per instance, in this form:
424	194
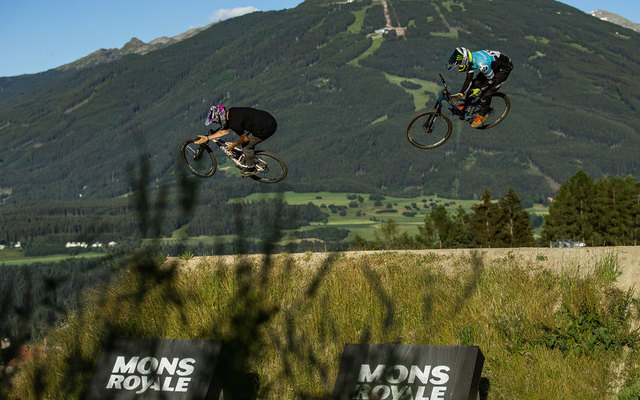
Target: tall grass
287	318
544	335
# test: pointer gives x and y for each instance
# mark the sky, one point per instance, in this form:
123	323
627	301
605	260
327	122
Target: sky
37	35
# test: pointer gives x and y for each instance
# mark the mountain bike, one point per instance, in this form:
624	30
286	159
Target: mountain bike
431	128
201	161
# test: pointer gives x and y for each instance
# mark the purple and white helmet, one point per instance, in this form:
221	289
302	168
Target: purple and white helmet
217	114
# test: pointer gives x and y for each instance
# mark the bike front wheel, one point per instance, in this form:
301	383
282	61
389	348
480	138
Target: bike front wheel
429	129
270	168
500	107
198	158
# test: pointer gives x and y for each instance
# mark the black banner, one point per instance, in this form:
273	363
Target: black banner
171	369
408	372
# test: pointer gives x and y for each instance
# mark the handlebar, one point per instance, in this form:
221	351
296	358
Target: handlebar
446	89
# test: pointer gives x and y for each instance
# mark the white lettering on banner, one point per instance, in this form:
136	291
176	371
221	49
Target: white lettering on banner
440	372
416	372
395	382
152	365
146	384
399	394
166	386
149	373
120	367
395	392
367	376
182	385
186	366
168	367
381	392
115	382
403	373
131	382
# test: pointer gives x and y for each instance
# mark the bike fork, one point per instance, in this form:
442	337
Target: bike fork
428	125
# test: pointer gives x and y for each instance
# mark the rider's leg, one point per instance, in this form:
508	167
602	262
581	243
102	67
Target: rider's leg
248	151
485	101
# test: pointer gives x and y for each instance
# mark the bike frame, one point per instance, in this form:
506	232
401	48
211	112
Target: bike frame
469	110
235	155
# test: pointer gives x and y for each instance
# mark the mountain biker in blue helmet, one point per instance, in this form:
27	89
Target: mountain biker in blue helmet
493	69
252	126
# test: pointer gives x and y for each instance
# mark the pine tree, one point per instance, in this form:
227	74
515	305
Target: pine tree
486	225
441	230
517	230
571	213
460	236
442	226
614	205
386	235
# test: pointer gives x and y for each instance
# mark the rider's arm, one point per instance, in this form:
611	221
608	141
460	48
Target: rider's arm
220	133
467	83
242	140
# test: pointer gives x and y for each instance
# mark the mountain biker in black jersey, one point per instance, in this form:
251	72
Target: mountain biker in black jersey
493	69
251	125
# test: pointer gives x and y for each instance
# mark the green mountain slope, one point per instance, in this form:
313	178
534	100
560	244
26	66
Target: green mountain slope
342	101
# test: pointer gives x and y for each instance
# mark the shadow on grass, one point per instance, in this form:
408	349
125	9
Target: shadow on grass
72	353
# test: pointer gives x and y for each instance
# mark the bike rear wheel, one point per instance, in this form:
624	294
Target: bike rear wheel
500	107
198	158
271	169
429	129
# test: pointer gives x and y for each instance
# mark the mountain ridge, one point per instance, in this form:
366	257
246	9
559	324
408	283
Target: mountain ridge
342	96
133	46
615	19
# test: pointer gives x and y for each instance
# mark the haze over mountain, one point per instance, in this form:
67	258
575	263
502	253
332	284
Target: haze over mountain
615	19
134	46
342	96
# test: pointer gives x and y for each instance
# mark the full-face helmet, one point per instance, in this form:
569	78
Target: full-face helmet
217	114
460	57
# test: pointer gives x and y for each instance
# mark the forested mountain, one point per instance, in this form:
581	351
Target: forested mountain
342	97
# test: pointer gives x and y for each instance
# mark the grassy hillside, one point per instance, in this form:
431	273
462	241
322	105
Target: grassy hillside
571	333
342	97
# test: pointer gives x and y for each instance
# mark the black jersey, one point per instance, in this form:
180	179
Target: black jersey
243	120
492	65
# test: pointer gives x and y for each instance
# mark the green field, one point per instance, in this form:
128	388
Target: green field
364	217
361	217
13	257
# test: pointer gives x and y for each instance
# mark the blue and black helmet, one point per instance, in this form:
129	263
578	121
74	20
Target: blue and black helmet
462	58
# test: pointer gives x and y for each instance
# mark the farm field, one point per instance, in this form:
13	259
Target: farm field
16	258
361	214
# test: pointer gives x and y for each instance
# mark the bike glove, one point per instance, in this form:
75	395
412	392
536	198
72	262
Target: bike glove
456	97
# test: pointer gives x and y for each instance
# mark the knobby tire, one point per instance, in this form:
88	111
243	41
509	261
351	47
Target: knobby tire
492	120
207	159
281	173
420	138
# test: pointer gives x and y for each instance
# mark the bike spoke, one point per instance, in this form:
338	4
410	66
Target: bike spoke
270	169
500	105
428	130
198	159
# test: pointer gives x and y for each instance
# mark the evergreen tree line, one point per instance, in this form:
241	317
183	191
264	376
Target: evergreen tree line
504	223
602	213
